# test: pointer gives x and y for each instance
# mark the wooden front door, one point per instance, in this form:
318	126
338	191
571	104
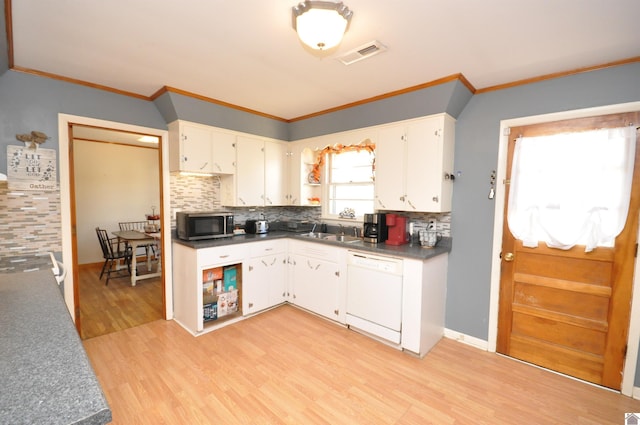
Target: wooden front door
569	310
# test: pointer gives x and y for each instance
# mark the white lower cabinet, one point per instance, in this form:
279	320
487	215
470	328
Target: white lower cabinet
191	269
423	303
317	279
310	275
264	276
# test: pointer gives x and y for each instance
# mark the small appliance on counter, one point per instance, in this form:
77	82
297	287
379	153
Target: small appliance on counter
193	226
398	230
374	228
256	227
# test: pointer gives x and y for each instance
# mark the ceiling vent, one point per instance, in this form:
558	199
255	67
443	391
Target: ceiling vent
362	52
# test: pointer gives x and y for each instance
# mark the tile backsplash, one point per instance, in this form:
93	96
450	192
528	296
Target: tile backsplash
199	193
29	222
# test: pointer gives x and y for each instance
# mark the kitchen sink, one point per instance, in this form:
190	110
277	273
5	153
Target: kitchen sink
332	237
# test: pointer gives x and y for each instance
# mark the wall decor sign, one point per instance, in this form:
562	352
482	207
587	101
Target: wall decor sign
31	169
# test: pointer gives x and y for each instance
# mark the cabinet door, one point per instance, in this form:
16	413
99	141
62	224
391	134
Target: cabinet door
255	285
277	266
224	152
423	171
264	283
196	149
249	172
275	163
390	168
315	285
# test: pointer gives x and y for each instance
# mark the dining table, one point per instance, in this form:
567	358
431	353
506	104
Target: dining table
136	238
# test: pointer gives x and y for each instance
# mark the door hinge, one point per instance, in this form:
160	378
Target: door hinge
636	254
506	181
507	131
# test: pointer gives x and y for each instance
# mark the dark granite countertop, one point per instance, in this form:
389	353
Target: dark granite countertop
45	375
412	251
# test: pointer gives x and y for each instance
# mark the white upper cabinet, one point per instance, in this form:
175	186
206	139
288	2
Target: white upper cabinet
414	165
190	148
200	148
276	173
260	178
250	172
224	152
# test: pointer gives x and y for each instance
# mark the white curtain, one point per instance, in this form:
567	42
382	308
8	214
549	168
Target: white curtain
572	188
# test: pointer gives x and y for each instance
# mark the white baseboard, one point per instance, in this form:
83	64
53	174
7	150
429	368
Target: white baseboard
466	339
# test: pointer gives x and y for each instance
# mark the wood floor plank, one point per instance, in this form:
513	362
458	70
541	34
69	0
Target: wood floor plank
287	366
117	306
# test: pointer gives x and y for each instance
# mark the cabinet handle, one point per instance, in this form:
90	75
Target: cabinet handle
223	256
250	305
410	204
381	204
268	249
204	165
284	294
435	199
242	201
265	263
215	164
336	312
402	198
338	273
269	200
274	261
250	268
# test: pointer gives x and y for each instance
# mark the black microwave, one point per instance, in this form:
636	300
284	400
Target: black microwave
192	226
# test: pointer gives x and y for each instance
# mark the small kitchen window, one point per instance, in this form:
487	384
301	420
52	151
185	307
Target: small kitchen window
349	182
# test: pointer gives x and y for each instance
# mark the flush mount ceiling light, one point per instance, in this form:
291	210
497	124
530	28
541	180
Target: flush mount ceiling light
321	24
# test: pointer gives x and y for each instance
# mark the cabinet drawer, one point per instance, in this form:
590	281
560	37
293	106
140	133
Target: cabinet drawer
260	249
221	255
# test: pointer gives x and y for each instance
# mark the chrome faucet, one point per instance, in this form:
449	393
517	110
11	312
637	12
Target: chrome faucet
341	229
313	229
355	231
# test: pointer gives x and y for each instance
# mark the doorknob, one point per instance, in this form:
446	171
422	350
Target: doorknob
509	256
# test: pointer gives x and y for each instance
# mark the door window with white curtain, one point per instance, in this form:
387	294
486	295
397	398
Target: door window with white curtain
571	188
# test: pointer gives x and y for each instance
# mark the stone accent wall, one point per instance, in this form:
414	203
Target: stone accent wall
29	222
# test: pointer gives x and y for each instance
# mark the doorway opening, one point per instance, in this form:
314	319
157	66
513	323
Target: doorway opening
103	142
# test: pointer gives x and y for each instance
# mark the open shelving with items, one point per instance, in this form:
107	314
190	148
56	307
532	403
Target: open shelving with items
208	293
221	296
311	187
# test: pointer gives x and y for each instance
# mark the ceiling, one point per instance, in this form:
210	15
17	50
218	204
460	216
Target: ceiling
246	53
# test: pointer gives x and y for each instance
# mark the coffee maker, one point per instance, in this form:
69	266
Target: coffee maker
375	228
398	230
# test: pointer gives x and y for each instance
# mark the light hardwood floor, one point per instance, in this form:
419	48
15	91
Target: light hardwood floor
286	366
109	308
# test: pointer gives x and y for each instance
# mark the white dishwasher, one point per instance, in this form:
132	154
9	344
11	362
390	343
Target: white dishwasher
374	295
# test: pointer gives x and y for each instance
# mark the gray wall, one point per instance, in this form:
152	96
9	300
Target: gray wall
175	106
29	102
4	57
449	97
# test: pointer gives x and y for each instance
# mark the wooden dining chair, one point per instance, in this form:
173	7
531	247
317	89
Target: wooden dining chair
113	251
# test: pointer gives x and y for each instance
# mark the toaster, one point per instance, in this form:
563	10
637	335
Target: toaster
256	226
